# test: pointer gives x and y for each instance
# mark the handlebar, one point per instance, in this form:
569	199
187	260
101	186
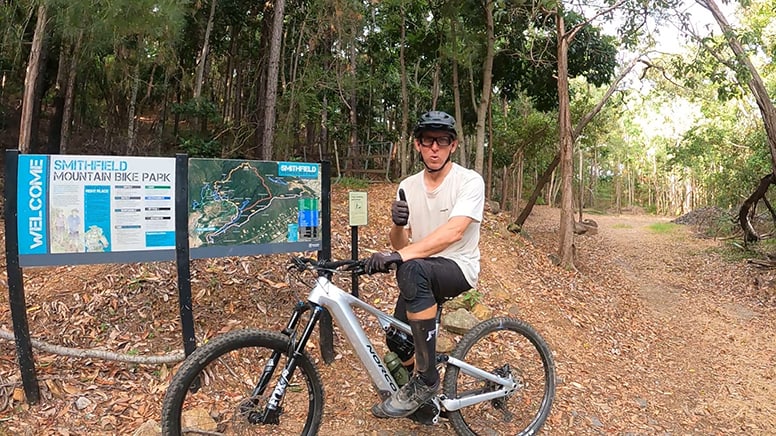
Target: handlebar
328	266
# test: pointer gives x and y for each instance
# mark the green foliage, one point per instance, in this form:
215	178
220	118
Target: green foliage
197	108
196	146
733	251
663	227
529	54
472	297
352	183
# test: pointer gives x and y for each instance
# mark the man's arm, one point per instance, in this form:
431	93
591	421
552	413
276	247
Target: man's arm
399	236
441	238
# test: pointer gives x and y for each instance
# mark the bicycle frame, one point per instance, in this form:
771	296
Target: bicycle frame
340	304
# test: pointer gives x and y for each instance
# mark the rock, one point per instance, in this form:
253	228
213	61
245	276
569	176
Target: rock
82	403
492	206
198	418
444	344
149	428
586	227
459	322
513	311
456	303
482	312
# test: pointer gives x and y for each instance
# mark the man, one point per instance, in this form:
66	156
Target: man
435	233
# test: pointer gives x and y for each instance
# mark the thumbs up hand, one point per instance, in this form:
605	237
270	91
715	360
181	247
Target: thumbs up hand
400	211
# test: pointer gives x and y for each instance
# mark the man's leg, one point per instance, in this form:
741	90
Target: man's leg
424	334
422	282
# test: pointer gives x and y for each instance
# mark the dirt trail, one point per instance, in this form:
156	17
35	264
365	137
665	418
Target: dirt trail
655	334
715	351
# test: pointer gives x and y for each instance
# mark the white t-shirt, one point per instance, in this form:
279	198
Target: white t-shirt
461	193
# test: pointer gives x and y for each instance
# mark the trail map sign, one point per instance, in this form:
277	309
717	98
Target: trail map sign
241	207
69	210
95	209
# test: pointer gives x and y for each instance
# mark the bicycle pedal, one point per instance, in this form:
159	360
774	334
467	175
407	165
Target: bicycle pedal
427	414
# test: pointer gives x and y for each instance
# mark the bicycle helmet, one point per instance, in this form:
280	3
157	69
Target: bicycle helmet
435	120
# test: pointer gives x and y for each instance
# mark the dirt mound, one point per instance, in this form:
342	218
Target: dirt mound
704	217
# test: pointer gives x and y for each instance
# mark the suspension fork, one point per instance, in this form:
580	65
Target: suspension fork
295	349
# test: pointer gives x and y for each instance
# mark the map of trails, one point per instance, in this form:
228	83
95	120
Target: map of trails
234	202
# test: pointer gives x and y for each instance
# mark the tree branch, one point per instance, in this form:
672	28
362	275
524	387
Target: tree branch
98	354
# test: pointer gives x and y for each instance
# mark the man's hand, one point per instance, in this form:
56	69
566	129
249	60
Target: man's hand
381	262
400	211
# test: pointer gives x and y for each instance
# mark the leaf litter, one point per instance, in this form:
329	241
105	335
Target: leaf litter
652	334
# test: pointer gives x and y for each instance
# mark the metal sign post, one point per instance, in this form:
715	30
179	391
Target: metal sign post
358	214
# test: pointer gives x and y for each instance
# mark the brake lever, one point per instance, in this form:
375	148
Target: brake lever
297	263
357	268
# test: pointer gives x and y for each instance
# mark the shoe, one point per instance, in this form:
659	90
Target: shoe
406	400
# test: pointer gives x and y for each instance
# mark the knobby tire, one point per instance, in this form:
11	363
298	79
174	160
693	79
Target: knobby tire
506	346
226	369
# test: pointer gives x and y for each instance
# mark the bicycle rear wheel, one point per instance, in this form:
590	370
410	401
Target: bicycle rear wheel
212	391
510	348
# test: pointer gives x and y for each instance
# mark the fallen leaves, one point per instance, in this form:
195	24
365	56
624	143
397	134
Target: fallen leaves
626	363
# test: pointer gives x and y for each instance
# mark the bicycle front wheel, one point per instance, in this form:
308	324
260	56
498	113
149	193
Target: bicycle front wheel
509	348
215	390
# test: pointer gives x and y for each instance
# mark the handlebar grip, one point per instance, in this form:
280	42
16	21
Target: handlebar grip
402	197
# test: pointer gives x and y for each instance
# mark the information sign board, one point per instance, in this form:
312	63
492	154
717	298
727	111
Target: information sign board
90	209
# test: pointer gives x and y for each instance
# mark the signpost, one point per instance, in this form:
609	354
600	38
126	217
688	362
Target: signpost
358	213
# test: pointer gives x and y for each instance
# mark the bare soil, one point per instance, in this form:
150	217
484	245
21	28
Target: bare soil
656	332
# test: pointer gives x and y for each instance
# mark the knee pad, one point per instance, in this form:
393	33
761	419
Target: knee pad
415	286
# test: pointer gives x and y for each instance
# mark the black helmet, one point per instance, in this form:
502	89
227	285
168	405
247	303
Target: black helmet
435	120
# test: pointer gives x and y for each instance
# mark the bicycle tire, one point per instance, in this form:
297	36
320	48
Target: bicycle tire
506	346
226	369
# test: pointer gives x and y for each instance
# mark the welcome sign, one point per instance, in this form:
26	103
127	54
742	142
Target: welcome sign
98	205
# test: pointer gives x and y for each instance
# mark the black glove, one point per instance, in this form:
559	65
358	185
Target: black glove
381	262
400	211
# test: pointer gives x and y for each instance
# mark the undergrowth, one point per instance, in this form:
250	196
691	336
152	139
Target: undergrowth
663	227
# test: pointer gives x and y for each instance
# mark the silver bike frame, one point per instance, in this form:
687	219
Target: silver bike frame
340	304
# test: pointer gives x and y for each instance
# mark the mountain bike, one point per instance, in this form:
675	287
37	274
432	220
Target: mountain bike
498	380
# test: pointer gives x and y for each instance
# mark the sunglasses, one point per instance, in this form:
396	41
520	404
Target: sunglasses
442	141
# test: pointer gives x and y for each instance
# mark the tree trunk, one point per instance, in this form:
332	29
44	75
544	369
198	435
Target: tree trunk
566	231
67	113
355	153
404	145
489	178
504	187
462	158
273	68
204	52
31	80
747	209
435	85
133	104
581	184
487	76
60	88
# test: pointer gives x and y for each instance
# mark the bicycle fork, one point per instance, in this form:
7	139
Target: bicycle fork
296	348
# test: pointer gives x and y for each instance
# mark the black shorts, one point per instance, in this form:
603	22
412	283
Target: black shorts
428	281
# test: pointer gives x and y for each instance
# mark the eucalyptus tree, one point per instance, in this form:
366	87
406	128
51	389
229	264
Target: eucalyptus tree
14	19
31	82
565	34
536	60
735	50
115	38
